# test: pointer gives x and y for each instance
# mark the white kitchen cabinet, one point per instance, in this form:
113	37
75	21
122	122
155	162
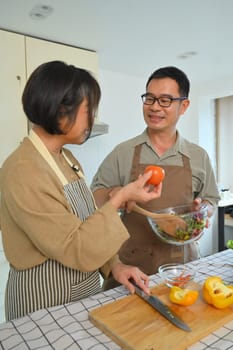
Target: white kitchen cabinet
20	55
40	51
13	124
4	269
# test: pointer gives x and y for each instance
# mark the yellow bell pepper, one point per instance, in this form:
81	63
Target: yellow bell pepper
183	297
216	293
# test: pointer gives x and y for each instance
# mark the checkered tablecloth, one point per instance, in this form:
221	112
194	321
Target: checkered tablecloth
67	326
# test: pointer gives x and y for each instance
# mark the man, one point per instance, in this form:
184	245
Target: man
188	172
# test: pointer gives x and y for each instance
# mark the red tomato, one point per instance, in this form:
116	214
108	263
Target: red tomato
157	176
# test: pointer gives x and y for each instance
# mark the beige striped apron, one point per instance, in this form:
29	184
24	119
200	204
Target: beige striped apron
52	283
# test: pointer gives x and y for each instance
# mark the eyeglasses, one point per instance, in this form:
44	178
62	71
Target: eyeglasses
163	101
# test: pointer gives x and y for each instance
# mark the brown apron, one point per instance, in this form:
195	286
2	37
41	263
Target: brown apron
143	248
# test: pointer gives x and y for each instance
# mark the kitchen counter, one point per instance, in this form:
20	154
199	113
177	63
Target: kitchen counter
68	327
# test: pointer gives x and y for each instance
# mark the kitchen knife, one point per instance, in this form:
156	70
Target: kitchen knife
162	308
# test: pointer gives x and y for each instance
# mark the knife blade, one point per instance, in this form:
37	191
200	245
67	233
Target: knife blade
162	308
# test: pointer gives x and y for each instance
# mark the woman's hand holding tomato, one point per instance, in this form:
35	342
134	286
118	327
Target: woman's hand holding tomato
137	191
157	176
152	191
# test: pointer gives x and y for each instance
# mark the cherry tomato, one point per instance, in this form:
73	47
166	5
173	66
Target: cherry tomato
157	176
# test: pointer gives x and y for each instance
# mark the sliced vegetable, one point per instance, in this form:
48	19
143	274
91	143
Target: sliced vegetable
185	297
195	225
181	280
216	293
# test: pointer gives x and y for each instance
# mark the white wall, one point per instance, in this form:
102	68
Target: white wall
204	96
121	108
203	114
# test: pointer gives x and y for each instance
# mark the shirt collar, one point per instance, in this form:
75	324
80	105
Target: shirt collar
181	145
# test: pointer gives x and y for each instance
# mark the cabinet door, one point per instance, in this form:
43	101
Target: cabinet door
13	123
40	51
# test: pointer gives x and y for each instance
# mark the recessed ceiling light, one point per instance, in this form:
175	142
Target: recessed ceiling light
187	54
40	11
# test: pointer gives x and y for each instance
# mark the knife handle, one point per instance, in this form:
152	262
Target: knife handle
136	286
134	283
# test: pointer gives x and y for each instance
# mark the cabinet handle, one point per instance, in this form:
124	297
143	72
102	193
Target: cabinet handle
18	77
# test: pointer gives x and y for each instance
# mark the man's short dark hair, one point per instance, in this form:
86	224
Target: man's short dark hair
174	73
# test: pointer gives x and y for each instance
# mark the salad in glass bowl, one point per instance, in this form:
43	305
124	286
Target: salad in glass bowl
184	225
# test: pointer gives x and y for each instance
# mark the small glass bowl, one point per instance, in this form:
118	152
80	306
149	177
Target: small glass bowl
175	274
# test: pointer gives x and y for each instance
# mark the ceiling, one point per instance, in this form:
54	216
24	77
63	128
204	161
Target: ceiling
136	37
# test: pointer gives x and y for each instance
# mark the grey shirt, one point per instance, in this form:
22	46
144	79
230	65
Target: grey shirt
116	167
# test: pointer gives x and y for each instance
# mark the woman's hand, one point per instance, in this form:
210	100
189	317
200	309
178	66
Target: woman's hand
137	191
122	273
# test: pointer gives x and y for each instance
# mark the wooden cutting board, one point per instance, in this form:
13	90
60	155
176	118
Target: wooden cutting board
135	325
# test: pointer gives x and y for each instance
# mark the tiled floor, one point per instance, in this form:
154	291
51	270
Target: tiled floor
4	267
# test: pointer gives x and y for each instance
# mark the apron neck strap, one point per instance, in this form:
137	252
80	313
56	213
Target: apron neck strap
73	166
42	149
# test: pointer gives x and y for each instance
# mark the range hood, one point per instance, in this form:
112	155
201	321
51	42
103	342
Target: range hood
99	128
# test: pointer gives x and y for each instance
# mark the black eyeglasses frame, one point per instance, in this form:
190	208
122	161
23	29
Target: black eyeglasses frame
158	99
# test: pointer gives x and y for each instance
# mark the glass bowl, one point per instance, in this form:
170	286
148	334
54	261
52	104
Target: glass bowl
185	224
175	274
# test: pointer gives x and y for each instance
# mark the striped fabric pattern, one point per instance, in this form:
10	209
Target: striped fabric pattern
82	204
51	283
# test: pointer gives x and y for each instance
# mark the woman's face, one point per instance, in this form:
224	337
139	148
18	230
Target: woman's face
77	133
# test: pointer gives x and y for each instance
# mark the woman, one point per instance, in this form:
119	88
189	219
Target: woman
56	241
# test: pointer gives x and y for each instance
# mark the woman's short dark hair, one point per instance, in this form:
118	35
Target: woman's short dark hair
56	89
174	73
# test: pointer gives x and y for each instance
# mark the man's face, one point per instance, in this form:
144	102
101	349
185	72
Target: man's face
163	118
